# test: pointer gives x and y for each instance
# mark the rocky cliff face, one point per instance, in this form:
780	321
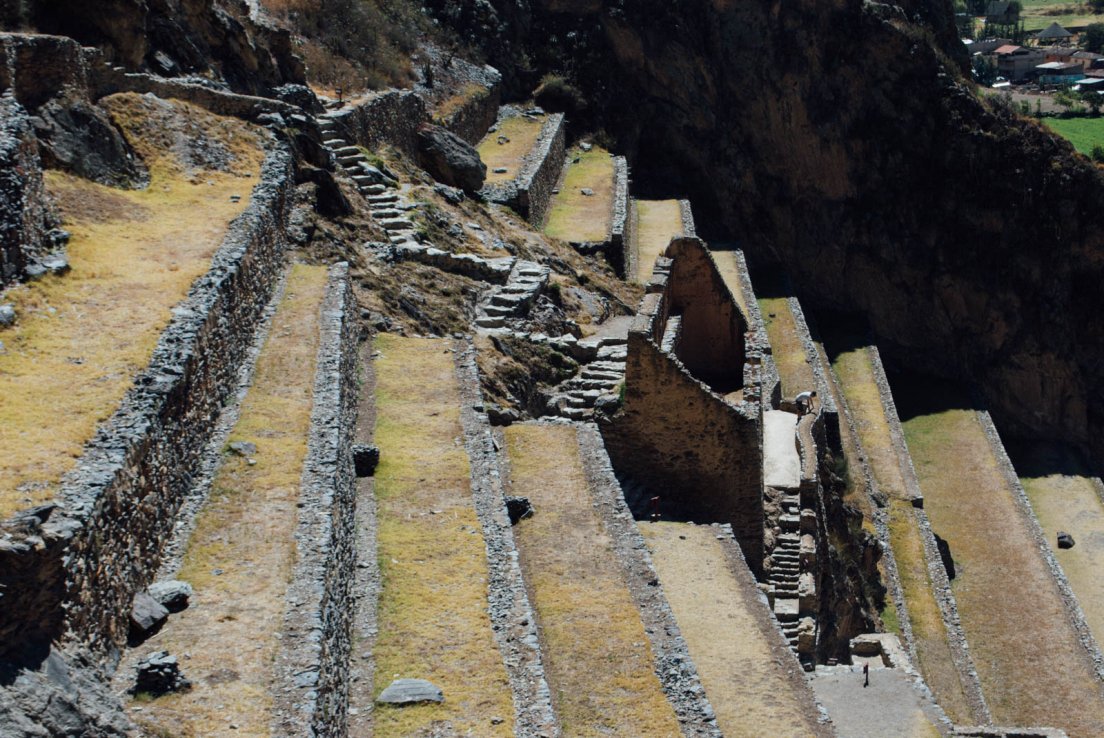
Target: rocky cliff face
215	38
841	140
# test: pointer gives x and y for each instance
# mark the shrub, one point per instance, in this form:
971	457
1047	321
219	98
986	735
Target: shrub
353	44
557	94
1098	154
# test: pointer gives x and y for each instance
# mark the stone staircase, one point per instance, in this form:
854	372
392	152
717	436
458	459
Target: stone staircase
597	382
384	198
791	577
512	300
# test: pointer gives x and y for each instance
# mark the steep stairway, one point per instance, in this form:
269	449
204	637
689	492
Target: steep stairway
385	201
513	300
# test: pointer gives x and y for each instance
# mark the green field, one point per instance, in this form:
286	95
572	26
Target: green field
1083	133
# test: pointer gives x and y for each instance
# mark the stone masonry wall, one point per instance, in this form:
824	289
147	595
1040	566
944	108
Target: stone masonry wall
679	437
72	567
541	171
472	120
39	67
25	216
313	669
620	228
391	117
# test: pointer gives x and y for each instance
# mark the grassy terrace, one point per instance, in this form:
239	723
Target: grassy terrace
241	555
855	371
433	621
1032	668
658	221
789	353
1065	498
598	661
522	133
81	338
580	218
735	661
727	266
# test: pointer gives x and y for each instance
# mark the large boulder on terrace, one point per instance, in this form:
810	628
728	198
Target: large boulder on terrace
450	159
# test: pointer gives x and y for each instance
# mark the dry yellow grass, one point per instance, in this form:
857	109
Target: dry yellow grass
433	621
1069	502
241	555
789	353
726	265
580	218
1033	670
597	656
81	338
658	221
748	690
522	133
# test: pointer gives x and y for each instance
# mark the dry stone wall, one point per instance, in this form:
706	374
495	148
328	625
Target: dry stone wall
25	215
313	669
530	193
72	567
674	431
391	117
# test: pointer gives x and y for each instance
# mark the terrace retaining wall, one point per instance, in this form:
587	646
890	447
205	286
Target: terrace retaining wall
313	668
391	117
471	120
73	566
620	226
530	193
25	216
674	430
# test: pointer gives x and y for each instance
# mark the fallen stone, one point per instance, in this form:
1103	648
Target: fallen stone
502	416
450	159
1065	540
410	692
158	674
452	195
243	448
518	508
173	594
607	404
7	316
586	146
586	192
500	170
146	616
365	459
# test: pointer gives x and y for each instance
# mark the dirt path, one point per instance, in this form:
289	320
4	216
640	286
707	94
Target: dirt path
240	556
658	221
432	618
1033	669
748	677
597	656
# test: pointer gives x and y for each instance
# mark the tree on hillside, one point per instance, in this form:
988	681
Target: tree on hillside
1093	37
985	70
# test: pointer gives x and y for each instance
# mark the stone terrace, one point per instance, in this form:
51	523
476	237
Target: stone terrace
654	224
524	153
590	208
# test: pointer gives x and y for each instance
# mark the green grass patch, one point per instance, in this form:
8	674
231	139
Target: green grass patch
1083	133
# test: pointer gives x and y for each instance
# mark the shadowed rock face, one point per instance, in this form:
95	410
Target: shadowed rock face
840	140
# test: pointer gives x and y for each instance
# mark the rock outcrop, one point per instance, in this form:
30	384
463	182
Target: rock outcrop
450	159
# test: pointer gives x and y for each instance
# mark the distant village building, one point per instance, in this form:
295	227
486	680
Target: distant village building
1060	74
1053	34
1017	63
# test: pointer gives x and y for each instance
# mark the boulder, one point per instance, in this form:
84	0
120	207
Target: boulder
80	138
450	159
518	508
243	448
1065	540
173	595
502	416
7	316
365	459
146	616
158	674
410	692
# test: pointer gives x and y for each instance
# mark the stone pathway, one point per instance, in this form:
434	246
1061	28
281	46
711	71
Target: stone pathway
895	705
781	462
753	683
